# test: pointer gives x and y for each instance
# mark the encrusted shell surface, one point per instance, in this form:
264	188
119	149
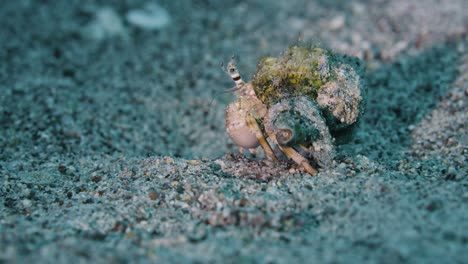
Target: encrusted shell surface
334	81
299	71
341	100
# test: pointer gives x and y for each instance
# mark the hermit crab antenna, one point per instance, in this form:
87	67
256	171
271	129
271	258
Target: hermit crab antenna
233	72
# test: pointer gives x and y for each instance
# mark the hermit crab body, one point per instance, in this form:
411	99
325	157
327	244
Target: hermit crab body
299	101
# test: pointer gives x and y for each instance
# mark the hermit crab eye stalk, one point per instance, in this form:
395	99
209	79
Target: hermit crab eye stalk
233	72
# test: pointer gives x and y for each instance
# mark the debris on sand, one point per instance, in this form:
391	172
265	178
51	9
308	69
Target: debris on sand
107	23
151	17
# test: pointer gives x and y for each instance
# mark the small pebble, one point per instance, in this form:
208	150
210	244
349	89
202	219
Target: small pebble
26	203
337	23
186	197
174	183
96	178
169	160
242	202
194	162
358	8
62	168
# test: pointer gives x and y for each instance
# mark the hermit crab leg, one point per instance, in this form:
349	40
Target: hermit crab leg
299	159
253	152
296	156
253	125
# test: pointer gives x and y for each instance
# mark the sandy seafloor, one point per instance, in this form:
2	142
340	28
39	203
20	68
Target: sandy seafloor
113	146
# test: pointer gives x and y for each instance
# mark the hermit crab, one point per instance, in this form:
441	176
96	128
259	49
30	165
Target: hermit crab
299	102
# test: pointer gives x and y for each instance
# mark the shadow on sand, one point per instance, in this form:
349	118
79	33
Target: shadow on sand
399	95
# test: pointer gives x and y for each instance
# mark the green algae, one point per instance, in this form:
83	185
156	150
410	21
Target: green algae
299	71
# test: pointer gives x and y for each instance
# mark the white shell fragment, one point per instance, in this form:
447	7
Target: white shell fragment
151	17
107	23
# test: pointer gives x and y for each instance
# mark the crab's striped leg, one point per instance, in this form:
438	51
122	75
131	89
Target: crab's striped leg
253	125
251	151
296	156
299	159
